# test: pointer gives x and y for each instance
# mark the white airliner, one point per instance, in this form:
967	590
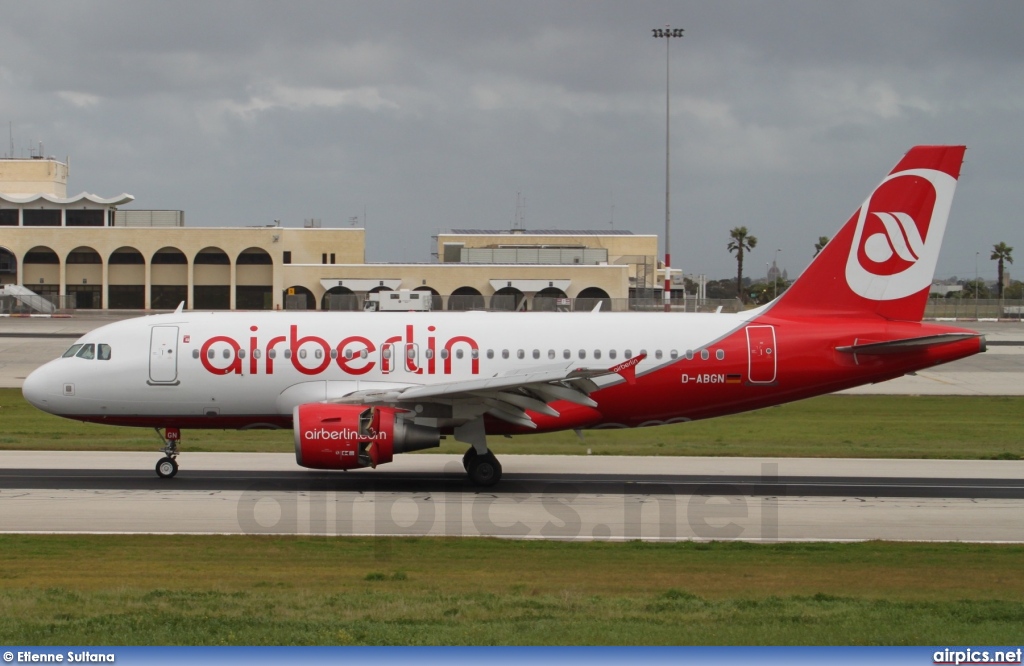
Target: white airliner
358	388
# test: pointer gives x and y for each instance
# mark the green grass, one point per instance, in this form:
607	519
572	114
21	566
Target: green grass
829	426
269	590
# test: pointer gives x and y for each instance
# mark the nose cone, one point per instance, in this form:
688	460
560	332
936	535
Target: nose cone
39	388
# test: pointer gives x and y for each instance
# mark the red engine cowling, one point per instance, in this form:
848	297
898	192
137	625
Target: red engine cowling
352	436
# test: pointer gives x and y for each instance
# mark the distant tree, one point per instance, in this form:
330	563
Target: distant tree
741	241
974	288
1001	252
820	245
721	289
1015	290
764	291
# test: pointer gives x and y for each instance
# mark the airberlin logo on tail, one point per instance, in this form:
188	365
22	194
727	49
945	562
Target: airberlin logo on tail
898	246
898	235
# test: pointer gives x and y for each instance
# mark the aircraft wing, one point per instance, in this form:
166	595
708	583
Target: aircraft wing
505	396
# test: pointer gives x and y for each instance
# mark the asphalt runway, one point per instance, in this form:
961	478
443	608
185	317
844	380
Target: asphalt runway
552	497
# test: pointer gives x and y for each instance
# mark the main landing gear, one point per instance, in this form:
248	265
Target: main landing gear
481	465
167	466
484	470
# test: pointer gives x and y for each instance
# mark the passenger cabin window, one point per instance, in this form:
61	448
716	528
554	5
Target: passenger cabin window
87	351
551	353
612	353
72	350
566	353
628	353
597	353
520	353
720	354
195	353
490	353
536	353
504	353
657	354
704	354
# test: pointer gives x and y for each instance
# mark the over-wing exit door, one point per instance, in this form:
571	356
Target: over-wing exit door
762	354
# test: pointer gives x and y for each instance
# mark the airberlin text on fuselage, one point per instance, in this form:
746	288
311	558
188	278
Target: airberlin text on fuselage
354	355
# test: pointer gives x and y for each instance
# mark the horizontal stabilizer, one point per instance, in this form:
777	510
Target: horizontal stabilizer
906	344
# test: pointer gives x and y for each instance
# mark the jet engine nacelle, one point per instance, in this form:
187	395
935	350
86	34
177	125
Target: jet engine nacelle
353	436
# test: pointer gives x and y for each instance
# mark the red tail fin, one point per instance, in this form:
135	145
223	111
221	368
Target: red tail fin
883	259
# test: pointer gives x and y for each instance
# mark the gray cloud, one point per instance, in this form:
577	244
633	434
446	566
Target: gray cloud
434	115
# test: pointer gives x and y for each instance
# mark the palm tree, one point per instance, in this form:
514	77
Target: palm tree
820	245
741	241
1001	252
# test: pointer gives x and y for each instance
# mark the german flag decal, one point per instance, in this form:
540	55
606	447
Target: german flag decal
733	379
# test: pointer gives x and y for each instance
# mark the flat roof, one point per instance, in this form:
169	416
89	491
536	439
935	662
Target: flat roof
537	232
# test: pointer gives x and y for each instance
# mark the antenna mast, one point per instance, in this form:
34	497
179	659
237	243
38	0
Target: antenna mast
519	221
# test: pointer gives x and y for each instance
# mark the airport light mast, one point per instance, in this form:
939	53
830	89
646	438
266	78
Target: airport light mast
668	32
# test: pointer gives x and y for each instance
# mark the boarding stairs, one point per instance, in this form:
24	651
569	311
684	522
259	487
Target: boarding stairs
28	298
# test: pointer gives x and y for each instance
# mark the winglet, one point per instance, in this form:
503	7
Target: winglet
181	306
627	369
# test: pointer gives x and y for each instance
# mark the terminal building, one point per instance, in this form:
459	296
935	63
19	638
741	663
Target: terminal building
92	252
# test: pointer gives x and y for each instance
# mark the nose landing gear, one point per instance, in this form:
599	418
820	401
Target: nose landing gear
167	466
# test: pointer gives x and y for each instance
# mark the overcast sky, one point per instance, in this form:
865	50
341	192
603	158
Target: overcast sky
434	115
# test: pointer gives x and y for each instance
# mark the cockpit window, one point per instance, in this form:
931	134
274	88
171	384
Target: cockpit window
87	351
104	352
71	351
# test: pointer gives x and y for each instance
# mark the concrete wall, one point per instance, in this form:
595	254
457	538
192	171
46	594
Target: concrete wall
21	177
618	245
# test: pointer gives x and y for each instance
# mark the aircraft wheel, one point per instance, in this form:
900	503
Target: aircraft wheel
484	470
166	468
468	457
